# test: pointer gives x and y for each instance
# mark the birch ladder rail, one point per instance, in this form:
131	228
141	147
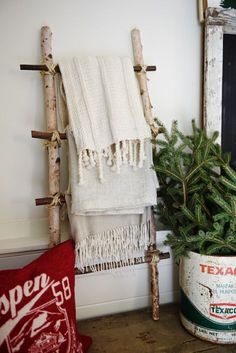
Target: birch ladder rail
147	107
53	137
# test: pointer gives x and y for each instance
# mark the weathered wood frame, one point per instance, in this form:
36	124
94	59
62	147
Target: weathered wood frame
202	6
218	22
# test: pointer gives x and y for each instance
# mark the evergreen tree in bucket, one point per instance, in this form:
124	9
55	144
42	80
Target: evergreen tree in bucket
198	192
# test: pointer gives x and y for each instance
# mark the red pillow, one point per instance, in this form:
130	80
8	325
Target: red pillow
37	306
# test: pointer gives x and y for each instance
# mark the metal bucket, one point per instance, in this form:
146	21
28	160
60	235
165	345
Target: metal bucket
208	297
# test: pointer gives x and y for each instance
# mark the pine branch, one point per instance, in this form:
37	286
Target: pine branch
228	4
198	167
230	172
230	184
199	204
168	173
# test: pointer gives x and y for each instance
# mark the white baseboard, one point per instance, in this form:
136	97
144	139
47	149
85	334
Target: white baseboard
106	293
123	305
103	294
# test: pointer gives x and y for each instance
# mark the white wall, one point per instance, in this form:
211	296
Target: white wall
171	39
213	3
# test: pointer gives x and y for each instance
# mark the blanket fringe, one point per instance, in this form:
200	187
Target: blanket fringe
114	248
124	152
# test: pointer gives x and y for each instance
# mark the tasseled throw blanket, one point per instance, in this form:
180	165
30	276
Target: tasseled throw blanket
112	184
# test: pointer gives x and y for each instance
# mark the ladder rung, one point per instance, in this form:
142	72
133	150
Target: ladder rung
137	68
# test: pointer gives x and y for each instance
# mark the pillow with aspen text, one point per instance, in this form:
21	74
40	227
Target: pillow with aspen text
37	305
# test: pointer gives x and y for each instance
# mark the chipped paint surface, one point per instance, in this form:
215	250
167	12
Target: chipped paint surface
208	296
213	79
219	21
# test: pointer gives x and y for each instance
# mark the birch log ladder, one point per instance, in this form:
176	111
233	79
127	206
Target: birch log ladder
53	142
52	145
147	107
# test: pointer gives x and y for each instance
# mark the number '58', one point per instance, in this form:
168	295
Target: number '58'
61	290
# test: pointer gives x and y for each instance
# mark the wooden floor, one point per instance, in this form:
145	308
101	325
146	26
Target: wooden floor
136	332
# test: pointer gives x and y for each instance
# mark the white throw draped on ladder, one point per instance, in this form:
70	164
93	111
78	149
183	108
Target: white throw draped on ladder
110	160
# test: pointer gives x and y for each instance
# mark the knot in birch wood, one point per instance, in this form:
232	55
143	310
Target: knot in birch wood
56	137
143	69
155	256
51	69
154	129
55	140
56	200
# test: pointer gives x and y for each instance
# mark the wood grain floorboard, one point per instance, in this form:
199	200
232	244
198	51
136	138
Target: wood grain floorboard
136	332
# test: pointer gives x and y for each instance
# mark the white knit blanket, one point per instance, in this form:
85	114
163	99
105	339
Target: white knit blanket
105	112
128	192
112	184
109	240
110	221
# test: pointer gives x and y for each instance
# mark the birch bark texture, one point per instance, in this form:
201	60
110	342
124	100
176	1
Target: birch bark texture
142	77
147	107
52	146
